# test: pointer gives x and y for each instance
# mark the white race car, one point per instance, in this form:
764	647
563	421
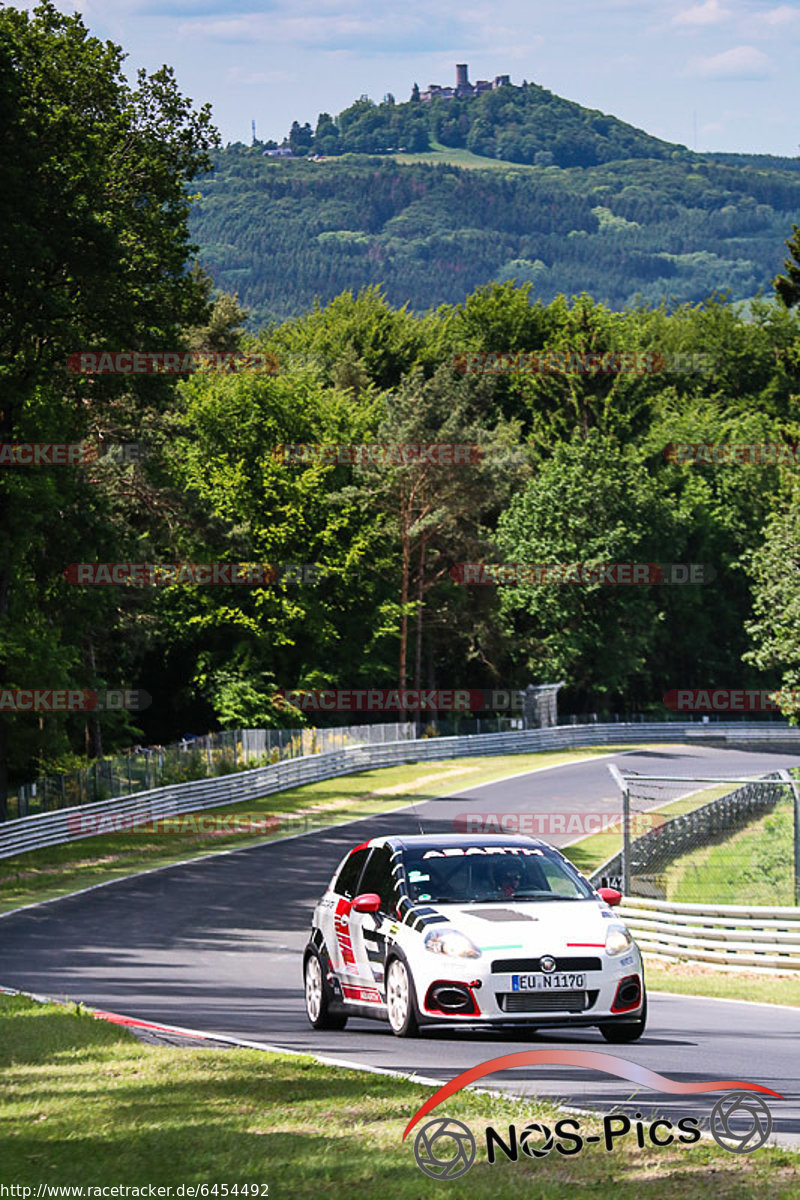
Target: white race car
470	930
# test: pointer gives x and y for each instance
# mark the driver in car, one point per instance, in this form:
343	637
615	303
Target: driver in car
507	878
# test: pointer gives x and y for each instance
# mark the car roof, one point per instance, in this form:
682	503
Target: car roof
432	841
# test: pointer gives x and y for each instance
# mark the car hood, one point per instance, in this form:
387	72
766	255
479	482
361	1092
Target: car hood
549	927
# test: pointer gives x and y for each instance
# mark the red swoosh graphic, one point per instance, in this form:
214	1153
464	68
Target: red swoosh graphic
597	1060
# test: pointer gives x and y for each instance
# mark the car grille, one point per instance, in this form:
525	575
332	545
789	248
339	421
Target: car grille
545	1002
504	966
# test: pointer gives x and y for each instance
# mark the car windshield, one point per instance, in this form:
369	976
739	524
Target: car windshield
479	874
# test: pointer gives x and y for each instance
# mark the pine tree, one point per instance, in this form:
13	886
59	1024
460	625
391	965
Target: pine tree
788	286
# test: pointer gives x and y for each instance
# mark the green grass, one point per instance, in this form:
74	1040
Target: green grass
59	870
458	157
84	1104
591	852
693	979
754	866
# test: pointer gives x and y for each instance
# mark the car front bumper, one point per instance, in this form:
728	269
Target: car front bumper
454	990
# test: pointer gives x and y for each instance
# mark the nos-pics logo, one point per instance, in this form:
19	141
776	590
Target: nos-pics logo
445	1148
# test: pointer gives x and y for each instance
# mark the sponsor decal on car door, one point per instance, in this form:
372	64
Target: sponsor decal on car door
367	929
366	948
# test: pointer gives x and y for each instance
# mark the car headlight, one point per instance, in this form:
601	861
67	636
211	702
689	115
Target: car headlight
452	943
618	940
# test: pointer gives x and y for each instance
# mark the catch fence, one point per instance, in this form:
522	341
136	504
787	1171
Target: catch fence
707	840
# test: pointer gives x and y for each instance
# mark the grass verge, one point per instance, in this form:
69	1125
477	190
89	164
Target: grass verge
457	156
694	979
591	852
754	866
85	1104
59	870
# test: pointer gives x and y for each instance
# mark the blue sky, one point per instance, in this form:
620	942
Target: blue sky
727	69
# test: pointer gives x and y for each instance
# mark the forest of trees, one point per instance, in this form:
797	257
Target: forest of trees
95	255
284	233
525	124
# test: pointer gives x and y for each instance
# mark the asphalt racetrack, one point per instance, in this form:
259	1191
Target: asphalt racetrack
216	945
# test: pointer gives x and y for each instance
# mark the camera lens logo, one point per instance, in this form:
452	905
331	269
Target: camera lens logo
530	1135
444	1149
740	1122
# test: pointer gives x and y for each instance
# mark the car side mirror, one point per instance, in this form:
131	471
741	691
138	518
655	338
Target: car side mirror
611	896
367	902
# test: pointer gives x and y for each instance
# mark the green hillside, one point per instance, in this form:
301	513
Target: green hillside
526	124
282	232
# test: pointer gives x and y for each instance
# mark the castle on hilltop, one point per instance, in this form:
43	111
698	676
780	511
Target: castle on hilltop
463	86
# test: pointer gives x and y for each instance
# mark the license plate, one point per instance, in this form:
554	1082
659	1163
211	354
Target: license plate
542	983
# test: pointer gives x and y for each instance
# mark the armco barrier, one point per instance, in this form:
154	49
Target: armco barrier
726	934
55	828
213	754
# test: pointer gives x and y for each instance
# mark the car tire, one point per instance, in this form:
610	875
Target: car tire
318	995
619	1032
400	1003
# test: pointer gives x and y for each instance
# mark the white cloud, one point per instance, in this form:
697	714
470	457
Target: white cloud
709	13
771	22
783	15
742	62
394	31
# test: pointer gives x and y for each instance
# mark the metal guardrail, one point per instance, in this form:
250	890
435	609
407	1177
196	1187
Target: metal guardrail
144	768
65	825
725	934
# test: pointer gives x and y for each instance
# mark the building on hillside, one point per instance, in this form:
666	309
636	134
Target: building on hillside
463	86
280	152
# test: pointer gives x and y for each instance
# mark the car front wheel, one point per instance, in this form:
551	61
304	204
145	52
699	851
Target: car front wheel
625	1031
318	996
400	1000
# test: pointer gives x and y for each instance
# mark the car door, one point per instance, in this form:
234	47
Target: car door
368	930
339	943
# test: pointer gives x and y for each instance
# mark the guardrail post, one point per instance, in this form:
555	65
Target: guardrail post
784	774
626	842
625	857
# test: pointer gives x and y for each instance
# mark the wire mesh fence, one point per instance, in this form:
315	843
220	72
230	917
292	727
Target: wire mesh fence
708	841
458	726
214	754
